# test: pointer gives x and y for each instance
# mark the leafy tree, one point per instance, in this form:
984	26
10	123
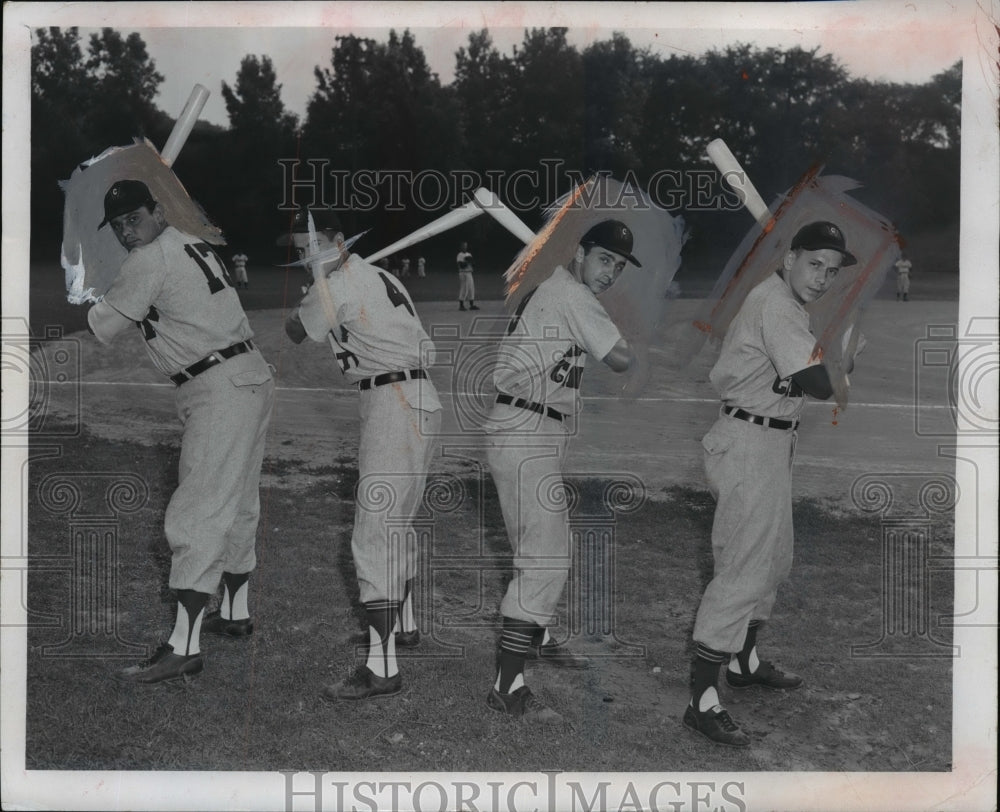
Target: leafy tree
483	91
254	105
125	82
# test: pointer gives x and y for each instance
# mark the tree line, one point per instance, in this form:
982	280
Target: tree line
535	118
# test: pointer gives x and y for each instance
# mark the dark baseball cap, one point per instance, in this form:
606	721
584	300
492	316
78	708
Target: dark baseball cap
125	196
823	234
614	236
323	220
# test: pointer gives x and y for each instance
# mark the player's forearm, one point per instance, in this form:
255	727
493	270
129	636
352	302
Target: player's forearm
815	382
620	358
104	322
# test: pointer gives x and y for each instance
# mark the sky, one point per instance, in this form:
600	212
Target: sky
889	41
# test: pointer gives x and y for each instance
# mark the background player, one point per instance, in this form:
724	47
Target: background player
176	290
558	324
381	345
240	261
466	284
766	365
903	268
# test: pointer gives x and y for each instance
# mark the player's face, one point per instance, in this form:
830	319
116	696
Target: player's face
138	227
301	242
810	273
600	268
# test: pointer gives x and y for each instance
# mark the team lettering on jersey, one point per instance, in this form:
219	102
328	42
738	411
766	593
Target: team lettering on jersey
786	387
567	373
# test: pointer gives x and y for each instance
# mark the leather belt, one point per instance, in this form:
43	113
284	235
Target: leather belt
531	406
766	422
211	360
391	377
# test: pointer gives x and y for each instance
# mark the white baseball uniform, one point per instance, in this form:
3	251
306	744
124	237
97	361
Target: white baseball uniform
466	284
749	465
382	346
539	368
177	292
240	268
903	268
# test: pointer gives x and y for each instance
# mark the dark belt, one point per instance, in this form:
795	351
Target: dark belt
391	377
531	406
210	361
766	422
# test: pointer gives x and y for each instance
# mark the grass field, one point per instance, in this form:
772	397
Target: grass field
257	705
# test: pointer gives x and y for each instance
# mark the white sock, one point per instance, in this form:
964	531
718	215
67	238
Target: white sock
406	621
708	700
382	663
517	683
181	640
752	661
237	608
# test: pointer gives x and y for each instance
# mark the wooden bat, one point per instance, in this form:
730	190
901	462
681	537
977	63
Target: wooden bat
495	207
185	123
738	180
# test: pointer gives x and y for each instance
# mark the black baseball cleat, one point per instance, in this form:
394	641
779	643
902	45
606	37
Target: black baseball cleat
364	684
472	307
163	666
522	704
766	676
716	725
215	623
556	654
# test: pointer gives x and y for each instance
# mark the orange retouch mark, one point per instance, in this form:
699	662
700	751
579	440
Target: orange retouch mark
546	232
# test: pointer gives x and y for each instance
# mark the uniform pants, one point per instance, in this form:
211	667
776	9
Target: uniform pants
749	470
527	472
395	450
903	283
211	521
466	287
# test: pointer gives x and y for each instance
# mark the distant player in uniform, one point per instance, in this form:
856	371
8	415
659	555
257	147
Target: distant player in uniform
381	346
240	269
176	290
766	366
404	268
903	268
537	376
466	284
421	267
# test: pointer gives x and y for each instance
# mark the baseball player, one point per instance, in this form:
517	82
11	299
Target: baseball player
903	268
380	345
766	366
421	267
537	376
176	290
466	284
240	269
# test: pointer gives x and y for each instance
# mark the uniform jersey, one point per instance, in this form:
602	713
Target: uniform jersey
767	342
903	267
542	356
464	261
377	329
177	291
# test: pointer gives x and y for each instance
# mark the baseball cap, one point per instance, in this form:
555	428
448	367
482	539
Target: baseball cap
614	236
323	220
125	196
823	234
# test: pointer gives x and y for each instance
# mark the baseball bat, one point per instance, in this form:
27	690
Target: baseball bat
738	180
185	123
495	207
453	218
